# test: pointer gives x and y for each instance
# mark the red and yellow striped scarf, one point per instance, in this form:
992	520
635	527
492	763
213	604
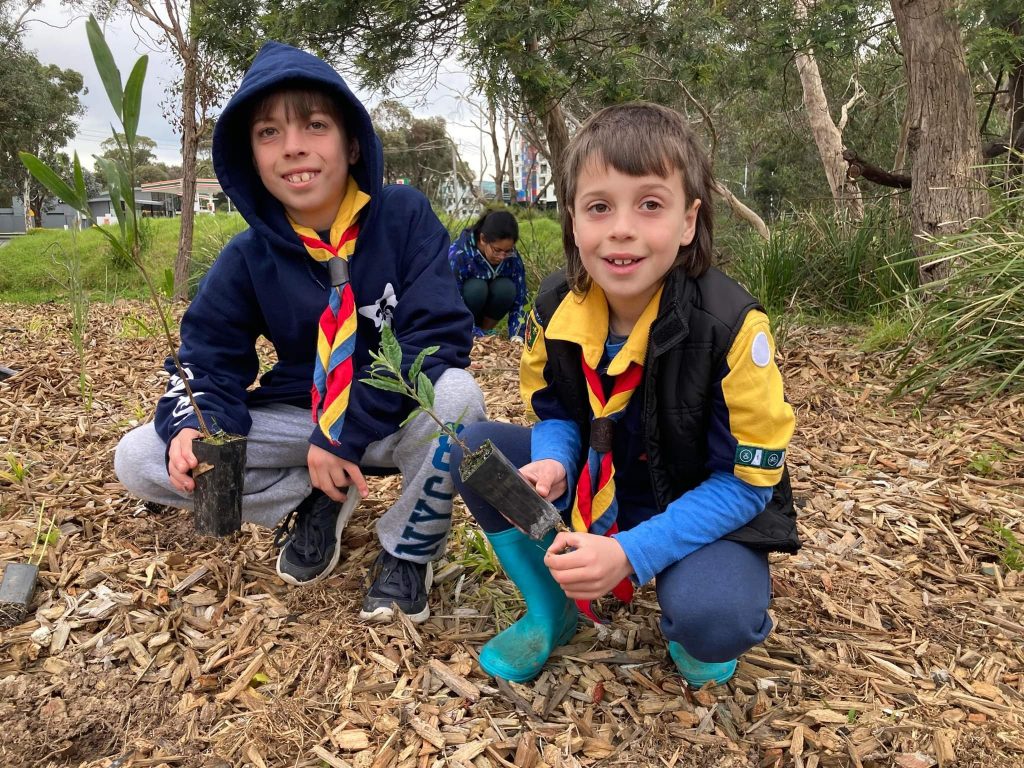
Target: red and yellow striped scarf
595	507
332	372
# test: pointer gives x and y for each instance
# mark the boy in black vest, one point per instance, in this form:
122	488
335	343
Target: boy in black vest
661	423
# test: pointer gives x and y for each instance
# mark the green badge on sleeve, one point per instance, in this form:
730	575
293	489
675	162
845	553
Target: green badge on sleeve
531	331
759	458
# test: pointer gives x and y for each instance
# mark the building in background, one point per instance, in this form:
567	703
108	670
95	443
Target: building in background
534	185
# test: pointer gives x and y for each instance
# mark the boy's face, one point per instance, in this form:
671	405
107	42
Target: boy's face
629	230
303	162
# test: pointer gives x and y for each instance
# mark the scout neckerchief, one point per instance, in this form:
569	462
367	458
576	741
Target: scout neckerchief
595	507
332	374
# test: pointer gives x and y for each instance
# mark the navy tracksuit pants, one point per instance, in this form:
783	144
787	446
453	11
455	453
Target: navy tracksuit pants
714	602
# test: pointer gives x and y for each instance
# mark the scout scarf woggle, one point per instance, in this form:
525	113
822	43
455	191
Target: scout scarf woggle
336	340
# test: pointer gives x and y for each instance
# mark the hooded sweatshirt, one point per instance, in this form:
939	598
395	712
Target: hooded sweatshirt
264	283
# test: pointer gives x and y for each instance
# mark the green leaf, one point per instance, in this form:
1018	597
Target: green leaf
112	172
133	99
414	369
50	537
83	195
168	283
104	60
412	415
425	390
49	179
389	385
390	348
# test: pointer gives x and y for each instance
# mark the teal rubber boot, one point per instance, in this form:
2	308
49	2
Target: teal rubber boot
699	673
519	653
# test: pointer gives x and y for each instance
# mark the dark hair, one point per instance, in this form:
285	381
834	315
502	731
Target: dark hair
301	99
496	225
638	139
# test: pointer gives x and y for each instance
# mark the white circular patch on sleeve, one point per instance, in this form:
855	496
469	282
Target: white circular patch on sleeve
760	350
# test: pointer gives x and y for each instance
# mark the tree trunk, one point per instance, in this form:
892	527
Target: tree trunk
499	165
945	150
26	202
827	135
189	149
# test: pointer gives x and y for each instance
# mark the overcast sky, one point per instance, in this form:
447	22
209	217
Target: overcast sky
58	37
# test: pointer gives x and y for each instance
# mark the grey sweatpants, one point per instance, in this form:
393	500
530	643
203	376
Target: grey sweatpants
277	478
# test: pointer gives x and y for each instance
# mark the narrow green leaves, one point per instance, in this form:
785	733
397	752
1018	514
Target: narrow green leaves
133	99
54	183
109	73
83	195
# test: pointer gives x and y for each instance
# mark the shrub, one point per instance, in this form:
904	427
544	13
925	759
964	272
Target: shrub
973	319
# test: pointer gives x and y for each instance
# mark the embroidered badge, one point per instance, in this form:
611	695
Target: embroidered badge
760	350
531	331
382	309
759	458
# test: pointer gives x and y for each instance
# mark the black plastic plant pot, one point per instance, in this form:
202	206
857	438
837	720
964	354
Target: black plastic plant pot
16	592
488	472
217	500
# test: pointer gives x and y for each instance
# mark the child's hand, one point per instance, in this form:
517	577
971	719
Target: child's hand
332	473
181	461
547	476
592	570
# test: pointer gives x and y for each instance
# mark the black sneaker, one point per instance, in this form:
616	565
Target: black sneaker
309	552
397	583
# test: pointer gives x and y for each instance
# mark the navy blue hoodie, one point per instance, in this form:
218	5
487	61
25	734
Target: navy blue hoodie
264	283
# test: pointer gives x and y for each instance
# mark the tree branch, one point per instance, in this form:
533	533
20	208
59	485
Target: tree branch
862	168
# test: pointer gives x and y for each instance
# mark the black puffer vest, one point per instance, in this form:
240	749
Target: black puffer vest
690	338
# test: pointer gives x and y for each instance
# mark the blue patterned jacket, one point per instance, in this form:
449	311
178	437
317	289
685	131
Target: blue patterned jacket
466	261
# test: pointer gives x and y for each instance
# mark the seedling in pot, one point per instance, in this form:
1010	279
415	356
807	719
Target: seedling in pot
19	582
217	501
486	470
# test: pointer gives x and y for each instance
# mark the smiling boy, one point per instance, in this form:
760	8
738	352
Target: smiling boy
331	257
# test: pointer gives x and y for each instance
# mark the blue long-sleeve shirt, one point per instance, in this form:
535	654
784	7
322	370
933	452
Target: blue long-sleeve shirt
718	506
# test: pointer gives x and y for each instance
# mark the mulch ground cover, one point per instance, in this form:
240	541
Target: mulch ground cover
898	637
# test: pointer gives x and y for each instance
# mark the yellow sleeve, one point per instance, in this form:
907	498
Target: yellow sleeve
760	421
535	377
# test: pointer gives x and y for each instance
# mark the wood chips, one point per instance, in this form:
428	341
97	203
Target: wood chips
898	638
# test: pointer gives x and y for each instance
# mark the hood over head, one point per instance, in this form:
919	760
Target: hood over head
278	66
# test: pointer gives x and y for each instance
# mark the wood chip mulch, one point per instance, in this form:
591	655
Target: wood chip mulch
899	626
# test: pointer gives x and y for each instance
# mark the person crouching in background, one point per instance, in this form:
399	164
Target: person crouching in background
490	274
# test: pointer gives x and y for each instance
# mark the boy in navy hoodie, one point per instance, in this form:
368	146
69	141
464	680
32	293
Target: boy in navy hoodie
330	257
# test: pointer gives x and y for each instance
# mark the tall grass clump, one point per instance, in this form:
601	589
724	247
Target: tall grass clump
823	265
973	320
773	270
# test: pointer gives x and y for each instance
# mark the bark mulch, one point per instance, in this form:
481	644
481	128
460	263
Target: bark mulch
898	637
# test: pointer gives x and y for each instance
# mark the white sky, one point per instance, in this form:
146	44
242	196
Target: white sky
57	36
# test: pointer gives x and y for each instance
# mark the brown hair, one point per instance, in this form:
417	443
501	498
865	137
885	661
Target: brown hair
301	101
638	139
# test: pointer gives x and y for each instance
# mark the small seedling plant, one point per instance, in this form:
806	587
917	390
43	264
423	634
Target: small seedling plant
386	374
486	470
19	582
126	240
217	502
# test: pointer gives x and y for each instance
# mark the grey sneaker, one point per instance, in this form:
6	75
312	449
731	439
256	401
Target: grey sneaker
398	584
311	549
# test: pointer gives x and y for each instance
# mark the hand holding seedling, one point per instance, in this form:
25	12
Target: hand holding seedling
181	460
594	566
332	474
547	476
